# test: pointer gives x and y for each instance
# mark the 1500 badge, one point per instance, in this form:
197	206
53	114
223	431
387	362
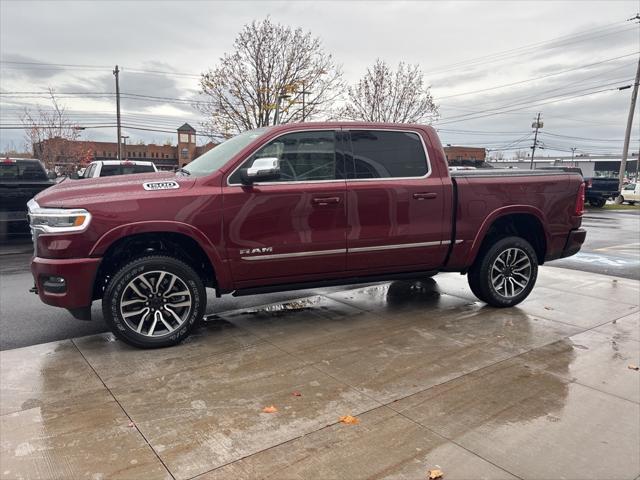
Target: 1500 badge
168	185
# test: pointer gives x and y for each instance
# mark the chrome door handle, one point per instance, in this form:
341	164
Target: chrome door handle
321	201
425	195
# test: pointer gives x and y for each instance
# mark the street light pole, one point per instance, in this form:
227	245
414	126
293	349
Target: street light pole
124	139
116	72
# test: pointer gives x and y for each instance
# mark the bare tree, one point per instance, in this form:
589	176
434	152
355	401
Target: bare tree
384	95
52	135
497	156
520	155
273	68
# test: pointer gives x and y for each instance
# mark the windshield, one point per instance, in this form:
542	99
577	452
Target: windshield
220	155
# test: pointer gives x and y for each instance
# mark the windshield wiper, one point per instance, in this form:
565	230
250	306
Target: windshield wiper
182	170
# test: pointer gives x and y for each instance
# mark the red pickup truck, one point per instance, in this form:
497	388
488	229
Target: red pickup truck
295	206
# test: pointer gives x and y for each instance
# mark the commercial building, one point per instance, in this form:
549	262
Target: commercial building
67	153
465	156
591	165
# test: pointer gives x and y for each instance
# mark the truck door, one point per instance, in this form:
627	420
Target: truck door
292	227
395	206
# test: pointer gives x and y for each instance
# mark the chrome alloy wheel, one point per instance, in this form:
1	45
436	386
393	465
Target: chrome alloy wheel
511	272
155	303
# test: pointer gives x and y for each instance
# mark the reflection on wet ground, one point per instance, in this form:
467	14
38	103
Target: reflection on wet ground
434	377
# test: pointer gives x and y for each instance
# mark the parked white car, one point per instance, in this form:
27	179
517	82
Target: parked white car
630	193
110	168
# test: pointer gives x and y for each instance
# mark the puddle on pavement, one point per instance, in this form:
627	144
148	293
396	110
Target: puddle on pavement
279	309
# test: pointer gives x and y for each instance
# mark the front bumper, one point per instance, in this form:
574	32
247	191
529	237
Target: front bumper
78	275
574	242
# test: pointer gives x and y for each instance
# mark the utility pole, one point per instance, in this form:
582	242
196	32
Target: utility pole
537	124
304	94
573	156
116	72
627	135
283	95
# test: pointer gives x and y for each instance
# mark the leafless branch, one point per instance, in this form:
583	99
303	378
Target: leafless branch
269	61
384	95
51	134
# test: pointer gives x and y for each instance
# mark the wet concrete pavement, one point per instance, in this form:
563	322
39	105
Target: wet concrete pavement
435	379
612	246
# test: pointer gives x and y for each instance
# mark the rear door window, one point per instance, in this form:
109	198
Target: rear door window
388	154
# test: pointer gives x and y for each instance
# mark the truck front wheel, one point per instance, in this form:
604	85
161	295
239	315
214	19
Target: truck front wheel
504	274
154	302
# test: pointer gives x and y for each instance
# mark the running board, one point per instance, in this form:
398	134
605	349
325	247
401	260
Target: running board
284	287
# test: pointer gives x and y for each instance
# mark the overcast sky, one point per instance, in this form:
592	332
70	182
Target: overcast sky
596	49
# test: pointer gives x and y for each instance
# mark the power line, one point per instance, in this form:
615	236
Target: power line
520	51
556	42
538	78
62	66
585	138
523	105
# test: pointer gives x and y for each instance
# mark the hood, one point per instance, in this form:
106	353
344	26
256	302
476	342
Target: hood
78	193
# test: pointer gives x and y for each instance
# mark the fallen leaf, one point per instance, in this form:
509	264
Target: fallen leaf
296	394
270	409
131	424
633	367
435	473
349	420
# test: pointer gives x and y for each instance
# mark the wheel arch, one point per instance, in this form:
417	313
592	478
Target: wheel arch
520	220
181	241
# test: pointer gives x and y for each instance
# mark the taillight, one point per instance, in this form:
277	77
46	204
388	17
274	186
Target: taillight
580	200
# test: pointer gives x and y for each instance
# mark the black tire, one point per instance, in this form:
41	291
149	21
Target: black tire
480	279
155	265
599	203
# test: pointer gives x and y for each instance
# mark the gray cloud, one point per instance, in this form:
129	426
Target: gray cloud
25	70
187	37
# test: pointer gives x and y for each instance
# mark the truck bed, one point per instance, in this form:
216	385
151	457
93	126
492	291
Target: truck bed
506	172
481	196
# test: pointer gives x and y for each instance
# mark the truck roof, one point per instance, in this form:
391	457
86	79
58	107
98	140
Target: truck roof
122	162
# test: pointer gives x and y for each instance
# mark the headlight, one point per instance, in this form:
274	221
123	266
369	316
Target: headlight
57	220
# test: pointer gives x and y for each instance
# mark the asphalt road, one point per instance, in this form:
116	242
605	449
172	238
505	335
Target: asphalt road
612	247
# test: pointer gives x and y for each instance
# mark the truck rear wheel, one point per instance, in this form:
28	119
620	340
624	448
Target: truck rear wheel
504	274
154	302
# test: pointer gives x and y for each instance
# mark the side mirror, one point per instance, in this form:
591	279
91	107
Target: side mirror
267	168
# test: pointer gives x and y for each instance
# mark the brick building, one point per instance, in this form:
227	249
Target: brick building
166	157
465	156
